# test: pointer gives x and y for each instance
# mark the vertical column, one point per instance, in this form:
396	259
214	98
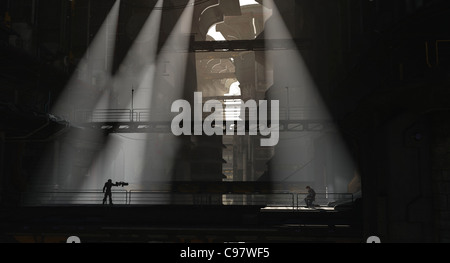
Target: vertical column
56	155
250	159
245	164
236	173
244	158
238	153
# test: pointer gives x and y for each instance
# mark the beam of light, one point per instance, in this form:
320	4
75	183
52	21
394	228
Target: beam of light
169	86
319	159
93	74
138	68
84	91
136	73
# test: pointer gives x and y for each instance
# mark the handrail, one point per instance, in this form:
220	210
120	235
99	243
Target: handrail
328	199
152	197
144	115
70	197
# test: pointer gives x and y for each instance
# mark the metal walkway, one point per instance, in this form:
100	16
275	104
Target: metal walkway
143	121
273	201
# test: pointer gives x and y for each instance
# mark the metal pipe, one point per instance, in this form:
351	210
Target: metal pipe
132	104
56	160
288	105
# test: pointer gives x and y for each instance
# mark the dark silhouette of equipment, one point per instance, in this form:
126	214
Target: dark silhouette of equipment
122	184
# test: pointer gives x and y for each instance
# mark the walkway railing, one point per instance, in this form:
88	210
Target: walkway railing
90	197
292	201
145	115
156	198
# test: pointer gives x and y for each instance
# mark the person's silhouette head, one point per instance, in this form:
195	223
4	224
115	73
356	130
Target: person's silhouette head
109	181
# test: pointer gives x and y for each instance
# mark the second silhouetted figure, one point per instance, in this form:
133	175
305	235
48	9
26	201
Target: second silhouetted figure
310	198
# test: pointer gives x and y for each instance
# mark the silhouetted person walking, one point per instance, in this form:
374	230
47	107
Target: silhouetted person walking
108	192
310	198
